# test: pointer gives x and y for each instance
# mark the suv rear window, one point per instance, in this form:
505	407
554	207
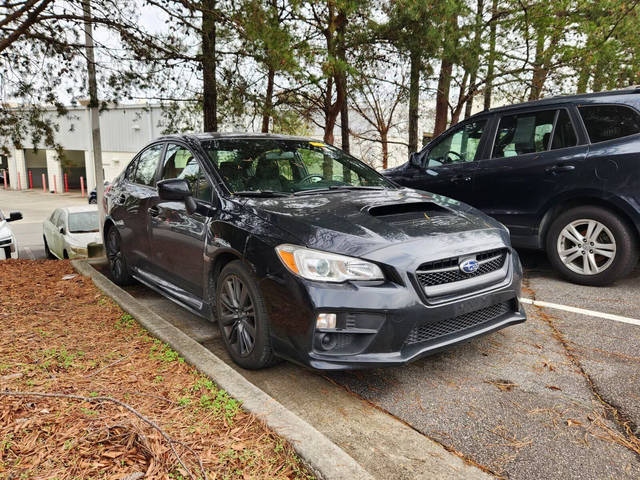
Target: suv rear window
607	122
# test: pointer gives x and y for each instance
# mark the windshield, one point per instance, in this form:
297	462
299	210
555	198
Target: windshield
83	222
288	166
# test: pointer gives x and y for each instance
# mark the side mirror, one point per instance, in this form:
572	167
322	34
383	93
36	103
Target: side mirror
13	216
414	160
61	230
177	189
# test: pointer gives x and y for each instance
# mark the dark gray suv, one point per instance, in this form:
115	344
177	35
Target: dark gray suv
563	174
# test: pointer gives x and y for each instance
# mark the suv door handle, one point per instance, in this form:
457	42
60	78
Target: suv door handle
460	179
153	211
560	168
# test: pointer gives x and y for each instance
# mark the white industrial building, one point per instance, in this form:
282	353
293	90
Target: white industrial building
124	130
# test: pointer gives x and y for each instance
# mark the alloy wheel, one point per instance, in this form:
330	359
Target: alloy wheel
114	254
586	247
237	315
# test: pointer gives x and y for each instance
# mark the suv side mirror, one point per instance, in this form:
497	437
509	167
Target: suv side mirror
414	160
177	189
13	216
61	230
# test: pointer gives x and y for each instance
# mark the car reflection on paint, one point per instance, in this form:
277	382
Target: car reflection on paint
300	251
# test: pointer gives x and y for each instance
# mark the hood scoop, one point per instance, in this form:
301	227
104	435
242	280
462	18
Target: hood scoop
407	211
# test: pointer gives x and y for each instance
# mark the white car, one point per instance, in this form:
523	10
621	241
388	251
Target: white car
8	245
68	230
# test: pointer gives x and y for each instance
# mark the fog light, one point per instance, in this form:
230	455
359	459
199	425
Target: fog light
328	341
326	320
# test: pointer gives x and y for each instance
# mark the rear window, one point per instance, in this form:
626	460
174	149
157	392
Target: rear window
608	122
83	222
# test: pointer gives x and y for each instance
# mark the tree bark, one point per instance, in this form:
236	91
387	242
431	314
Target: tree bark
209	64
491	60
477	42
268	100
341	85
414	99
442	96
385	149
455	115
539	72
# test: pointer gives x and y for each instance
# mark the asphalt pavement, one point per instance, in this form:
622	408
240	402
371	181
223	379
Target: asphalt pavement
35	206
557	397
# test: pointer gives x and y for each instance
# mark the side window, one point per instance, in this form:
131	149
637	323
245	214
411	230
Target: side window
564	135
179	162
458	146
131	171
523	133
607	122
147	165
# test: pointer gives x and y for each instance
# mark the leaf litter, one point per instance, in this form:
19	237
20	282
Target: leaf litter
85	392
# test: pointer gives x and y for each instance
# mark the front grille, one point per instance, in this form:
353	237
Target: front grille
447	270
431	331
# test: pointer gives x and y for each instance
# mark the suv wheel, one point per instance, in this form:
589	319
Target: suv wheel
591	245
242	317
117	263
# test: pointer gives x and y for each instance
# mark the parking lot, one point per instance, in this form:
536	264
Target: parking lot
557	397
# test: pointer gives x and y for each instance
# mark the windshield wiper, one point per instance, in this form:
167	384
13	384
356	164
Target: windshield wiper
260	193
337	188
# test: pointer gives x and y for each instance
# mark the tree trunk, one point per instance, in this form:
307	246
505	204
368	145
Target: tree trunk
539	71
414	99
268	100
341	85
455	116
209	64
477	42
491	60
385	149
442	96
329	119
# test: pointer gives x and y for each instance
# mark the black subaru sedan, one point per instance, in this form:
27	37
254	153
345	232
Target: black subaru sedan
300	251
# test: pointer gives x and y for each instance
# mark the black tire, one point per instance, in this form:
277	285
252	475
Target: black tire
616	238
117	262
47	252
246	337
93	201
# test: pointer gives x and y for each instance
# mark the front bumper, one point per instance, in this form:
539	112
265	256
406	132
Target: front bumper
384	324
8	249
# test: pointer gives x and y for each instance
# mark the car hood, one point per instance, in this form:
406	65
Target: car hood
5	231
360	222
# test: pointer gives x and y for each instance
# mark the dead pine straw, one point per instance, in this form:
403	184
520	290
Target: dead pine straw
85	392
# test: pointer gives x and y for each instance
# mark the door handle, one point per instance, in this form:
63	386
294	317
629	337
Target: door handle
560	168
460	179
153	211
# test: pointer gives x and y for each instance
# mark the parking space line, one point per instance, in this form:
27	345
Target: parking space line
591	313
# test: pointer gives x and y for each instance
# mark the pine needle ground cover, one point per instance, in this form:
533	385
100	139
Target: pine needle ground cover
85	392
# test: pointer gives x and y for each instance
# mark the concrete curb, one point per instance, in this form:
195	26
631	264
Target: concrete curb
321	455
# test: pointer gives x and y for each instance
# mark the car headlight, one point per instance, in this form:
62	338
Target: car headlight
326	267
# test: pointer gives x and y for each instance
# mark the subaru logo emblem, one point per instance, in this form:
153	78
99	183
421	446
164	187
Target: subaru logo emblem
469	265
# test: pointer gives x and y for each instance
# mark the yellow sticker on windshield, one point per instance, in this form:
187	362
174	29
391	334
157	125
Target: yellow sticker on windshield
317	144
